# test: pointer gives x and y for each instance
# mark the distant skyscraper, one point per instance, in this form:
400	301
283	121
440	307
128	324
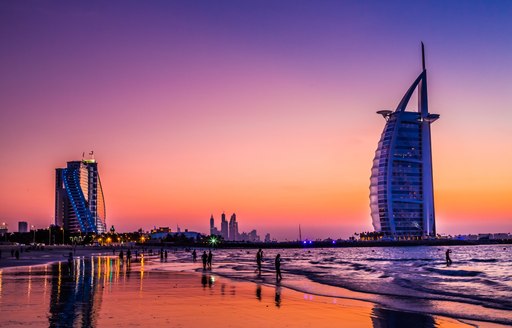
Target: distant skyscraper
212	225
22	226
3	229
224	227
401	188
233	228
79	201
213	229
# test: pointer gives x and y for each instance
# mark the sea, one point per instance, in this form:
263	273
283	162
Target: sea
476	286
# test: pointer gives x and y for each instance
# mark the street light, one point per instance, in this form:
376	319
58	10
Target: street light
62	235
33	229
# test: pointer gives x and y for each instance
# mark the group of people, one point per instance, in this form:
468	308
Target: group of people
207	262
207	259
277	263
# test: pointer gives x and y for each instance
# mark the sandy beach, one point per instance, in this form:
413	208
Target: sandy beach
102	291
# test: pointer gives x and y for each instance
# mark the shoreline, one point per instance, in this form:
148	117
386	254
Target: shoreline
159	291
152	263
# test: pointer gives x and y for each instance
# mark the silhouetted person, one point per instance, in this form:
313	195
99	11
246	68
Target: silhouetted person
128	256
278	267
210	256
448	259
165	255
204	257
194	255
259	258
17	254
12	252
121	255
113	251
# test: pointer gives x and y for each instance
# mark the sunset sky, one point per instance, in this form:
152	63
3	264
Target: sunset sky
263	108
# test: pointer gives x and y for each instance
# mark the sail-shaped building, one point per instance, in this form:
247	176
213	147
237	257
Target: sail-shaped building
401	187
79	201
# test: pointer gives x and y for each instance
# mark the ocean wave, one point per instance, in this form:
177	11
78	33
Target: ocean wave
457	273
484	260
376	259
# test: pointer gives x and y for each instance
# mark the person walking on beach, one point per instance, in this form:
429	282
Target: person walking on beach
259	258
210	256
194	256
128	256
278	267
448	259
121	255
204	257
17	254
165	255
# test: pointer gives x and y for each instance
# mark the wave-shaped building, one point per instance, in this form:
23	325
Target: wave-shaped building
401	187
79	200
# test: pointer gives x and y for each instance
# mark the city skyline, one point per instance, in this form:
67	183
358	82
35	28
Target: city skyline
267	108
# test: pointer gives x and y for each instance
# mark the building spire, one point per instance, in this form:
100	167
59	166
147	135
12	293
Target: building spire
423	55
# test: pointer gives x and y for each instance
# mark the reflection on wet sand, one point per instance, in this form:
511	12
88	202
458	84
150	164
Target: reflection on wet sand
258	292
75	294
277	297
207	279
105	292
384	318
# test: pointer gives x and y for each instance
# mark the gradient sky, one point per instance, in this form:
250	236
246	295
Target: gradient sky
263	108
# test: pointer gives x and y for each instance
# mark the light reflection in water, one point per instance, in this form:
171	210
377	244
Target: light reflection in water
29	285
141	271
77	293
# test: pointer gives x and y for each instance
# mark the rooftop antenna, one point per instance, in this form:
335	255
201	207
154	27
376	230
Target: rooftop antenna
423	55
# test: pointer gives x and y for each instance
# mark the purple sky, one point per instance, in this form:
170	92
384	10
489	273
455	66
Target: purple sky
264	108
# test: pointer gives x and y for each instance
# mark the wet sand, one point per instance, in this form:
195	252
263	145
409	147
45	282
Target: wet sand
107	293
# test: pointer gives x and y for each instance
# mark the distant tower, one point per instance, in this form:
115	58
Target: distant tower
401	188
224	227
22	226
79	201
233	228
212	226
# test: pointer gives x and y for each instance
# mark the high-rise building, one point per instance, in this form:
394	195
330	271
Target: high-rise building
79	201
224	227
401	188
233	228
22	226
213	230
4	229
